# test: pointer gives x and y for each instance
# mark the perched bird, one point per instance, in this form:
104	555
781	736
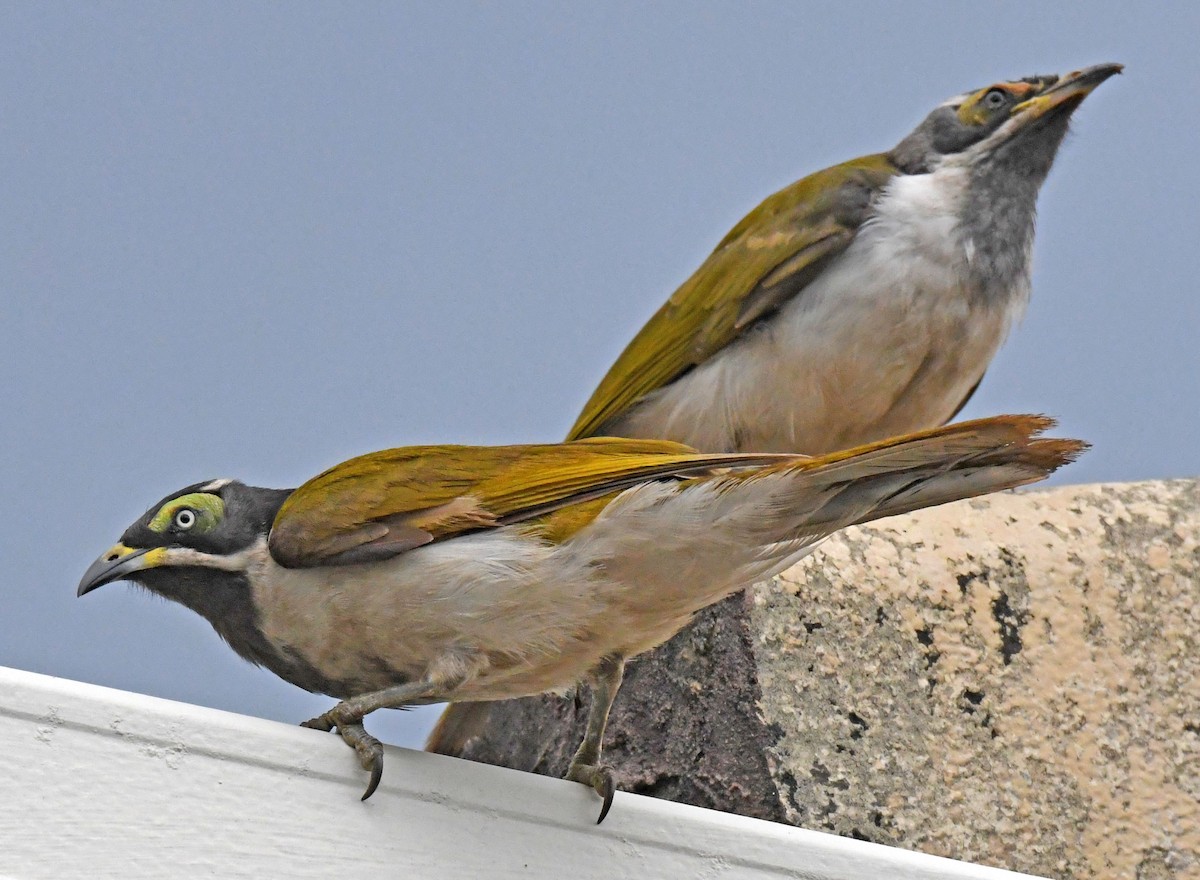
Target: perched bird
434	573
861	302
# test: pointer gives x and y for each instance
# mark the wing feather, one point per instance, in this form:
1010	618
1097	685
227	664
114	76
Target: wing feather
386	503
768	258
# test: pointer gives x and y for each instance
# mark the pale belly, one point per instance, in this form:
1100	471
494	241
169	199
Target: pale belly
498	614
516	615
864	352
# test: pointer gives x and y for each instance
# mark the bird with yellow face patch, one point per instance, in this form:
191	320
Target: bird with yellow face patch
863	301
424	574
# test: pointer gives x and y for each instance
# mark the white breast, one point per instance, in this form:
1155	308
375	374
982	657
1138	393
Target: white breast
888	339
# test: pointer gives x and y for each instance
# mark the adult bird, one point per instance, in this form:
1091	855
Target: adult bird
434	573
863	301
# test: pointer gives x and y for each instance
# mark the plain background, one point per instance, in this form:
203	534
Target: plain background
253	240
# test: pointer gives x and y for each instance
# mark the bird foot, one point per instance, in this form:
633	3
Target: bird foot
368	748
599	777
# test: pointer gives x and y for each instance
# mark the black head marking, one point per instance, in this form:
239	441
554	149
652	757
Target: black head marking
238	516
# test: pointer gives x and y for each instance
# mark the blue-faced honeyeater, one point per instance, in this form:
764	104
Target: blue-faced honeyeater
863	301
425	574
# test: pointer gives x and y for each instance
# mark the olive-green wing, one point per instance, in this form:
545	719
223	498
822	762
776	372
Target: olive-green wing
764	261
386	503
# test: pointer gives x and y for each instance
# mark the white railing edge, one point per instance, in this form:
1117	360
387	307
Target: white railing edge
147	757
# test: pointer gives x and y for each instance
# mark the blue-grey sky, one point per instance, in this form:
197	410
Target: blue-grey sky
253	240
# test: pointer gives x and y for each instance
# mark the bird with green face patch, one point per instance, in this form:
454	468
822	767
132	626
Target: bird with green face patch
863	301
424	574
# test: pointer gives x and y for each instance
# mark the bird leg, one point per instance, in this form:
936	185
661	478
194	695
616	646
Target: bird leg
347	716
585	766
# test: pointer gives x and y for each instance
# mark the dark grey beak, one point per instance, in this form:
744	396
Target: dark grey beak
114	564
1082	82
1069	91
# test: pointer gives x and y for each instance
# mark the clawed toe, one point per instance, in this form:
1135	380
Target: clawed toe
321	722
368	748
376	769
600	778
370	752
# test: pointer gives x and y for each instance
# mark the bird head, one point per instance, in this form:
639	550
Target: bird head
189	538
1028	117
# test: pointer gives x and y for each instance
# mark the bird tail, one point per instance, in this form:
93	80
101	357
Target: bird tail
700	540
918	470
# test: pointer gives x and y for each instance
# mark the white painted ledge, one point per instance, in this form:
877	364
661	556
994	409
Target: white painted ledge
102	783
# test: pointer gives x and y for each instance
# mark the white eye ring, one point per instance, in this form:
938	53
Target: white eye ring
185	518
995	99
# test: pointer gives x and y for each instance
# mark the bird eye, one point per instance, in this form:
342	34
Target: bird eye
185	518
995	99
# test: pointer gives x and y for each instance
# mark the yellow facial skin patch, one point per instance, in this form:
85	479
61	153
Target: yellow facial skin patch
975	112
149	558
155	557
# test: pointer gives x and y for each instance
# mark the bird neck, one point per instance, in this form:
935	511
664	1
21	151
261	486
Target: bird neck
996	226
223	598
226	600
1000	207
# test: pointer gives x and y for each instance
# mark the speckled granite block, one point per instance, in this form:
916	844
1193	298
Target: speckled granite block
1013	680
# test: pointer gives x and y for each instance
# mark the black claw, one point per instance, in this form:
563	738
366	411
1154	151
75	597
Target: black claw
376	775
599	779
605	789
608	799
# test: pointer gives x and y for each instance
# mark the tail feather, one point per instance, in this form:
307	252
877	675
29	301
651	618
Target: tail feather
987	474
994	435
907	473
750	523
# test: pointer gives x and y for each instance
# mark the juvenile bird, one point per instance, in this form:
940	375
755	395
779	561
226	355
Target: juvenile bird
424	574
863	301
